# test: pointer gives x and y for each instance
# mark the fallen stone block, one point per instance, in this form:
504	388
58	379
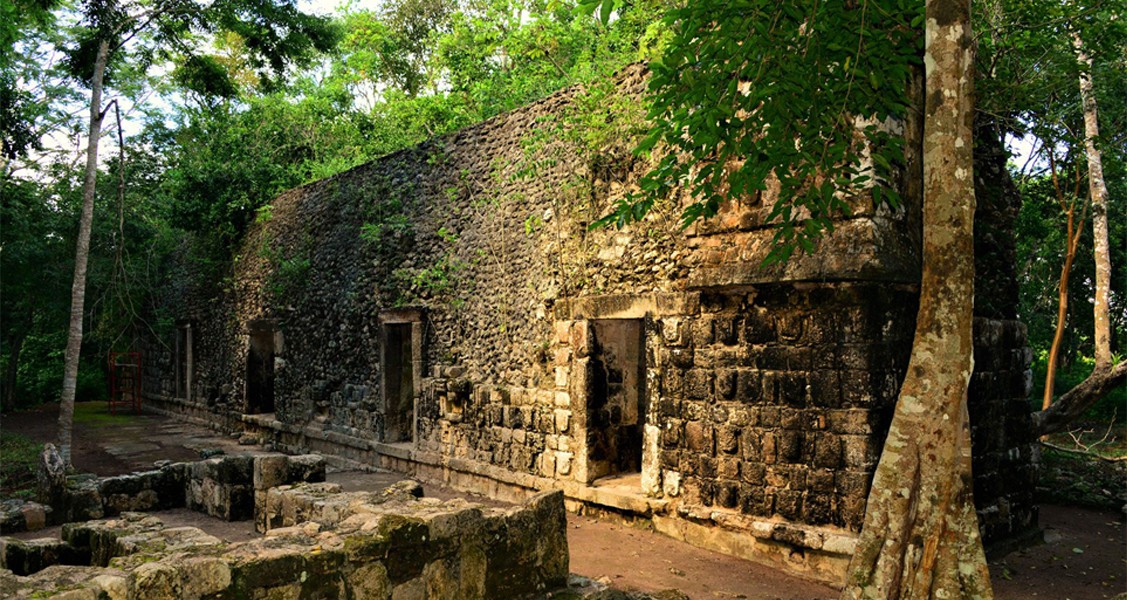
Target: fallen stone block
306	467
30	556
20	515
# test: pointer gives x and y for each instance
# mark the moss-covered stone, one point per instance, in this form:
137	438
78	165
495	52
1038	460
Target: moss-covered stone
369	582
374	546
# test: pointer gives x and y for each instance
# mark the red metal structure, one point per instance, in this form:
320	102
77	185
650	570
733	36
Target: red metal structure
125	381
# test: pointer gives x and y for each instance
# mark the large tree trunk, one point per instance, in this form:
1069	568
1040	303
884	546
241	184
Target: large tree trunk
1098	193
920	538
78	289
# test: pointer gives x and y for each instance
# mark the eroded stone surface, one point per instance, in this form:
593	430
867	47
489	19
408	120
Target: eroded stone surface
21	515
225	487
389	544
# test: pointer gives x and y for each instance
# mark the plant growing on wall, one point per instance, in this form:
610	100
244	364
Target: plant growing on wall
379	233
433	281
288	273
590	140
440	281
386	226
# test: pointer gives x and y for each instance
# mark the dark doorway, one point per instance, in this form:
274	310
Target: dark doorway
399	383
616	410
260	370
184	362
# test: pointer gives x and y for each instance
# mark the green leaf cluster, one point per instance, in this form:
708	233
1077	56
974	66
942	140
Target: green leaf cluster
804	92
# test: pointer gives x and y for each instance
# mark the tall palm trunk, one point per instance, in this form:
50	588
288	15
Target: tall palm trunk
920	538
81	253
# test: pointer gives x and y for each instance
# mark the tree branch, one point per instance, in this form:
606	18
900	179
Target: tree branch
1079	399
1110	459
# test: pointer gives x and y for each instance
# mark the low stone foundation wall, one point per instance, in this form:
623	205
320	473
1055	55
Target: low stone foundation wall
819	553
223	487
388	544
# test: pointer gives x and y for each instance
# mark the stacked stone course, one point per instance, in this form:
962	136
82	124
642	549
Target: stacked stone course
226	487
765	392
369	545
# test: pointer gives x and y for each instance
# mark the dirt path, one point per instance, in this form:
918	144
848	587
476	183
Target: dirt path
633	559
1084	557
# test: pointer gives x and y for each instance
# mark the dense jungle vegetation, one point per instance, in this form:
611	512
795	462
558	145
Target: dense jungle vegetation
204	133
207	110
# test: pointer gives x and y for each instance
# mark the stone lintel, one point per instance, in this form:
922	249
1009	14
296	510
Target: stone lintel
628	306
863	249
407	314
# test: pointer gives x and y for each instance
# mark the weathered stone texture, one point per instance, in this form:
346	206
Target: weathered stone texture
226	487
452	322
1006	453
20	515
379	545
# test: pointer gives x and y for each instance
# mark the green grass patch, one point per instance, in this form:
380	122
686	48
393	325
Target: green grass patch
18	458
98	413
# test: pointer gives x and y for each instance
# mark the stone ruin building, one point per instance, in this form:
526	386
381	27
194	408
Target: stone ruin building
444	311
317	541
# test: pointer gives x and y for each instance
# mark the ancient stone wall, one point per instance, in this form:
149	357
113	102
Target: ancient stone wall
773	402
226	487
377	546
1006	453
446	311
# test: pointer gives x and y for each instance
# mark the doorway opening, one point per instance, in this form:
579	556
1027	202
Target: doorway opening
260	368
616	404
402	362
184	361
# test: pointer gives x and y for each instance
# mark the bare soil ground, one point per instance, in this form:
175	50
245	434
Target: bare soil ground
1084	556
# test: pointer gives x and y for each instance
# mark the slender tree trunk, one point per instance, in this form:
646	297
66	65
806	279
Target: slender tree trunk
920	538
1105	377
1073	242
1098	193
1073	229
15	344
82	252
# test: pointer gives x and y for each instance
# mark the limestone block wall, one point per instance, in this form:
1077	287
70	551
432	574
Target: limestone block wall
225	487
446	311
1006	453
773	402
386	547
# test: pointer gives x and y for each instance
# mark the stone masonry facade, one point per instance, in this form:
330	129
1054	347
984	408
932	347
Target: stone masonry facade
445	311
